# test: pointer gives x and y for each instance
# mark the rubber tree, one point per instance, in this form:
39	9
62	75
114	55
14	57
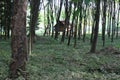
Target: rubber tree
113	21
80	19
68	6
97	16
33	22
85	22
104	21
18	40
72	25
58	16
117	32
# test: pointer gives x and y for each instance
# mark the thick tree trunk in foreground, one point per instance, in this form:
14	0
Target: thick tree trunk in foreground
18	43
94	42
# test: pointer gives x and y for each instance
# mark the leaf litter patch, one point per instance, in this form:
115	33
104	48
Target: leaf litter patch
109	50
108	68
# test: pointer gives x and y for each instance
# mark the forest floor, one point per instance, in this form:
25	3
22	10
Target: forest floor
51	60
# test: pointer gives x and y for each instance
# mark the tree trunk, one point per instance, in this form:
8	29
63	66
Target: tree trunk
18	43
33	21
58	16
118	20
45	32
59	12
63	36
66	20
109	21
85	24
52	18
97	15
75	33
34	17
80	20
113	22
104	22
71	30
93	26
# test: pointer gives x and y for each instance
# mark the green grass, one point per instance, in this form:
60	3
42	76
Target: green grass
51	60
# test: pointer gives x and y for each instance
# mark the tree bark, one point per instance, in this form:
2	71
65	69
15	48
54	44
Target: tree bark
93	26
113	23
58	16
71	30
104	23
80	20
109	21
33	21
97	15
75	33
18	43
85	24
117	32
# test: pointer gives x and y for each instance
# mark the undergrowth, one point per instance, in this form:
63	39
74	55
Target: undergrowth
51	60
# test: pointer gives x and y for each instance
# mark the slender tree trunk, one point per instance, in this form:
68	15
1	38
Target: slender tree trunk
113	23
80	20
48	19
33	21
71	30
63	36
66	21
2	17
97	16
118	20
104	23
7	14
52	18
93	26
85	24
34	17
75	33
5	19
89	20
58	16
44	19
18	43
59	12
109	21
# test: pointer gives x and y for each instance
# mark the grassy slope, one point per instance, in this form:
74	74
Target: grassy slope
51	60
